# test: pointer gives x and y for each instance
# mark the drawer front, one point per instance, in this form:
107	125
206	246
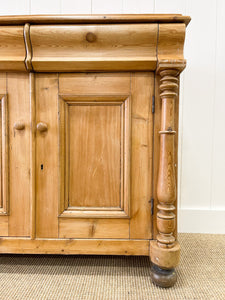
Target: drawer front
94	47
12	48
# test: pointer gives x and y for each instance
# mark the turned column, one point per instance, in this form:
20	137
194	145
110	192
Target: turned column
165	250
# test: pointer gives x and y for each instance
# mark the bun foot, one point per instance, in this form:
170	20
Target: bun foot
163	277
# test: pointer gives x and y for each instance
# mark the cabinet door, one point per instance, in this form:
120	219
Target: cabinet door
94	155
15	156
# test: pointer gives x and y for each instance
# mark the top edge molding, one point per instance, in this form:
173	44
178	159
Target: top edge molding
94	19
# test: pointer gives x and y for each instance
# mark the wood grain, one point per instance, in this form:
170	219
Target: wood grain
47	156
95	212
4	155
171	42
157	122
4	221
1	172
105	112
142	88
165	257
19	154
32	156
94	84
12	50
94	228
28	46
2	93
111	47
81	144
165	251
94	156
166	185
3	83
86	19
167	175
75	246
132	46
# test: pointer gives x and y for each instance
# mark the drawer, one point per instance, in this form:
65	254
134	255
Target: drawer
12	48
94	47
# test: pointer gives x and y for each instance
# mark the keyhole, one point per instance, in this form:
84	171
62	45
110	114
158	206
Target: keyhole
42	167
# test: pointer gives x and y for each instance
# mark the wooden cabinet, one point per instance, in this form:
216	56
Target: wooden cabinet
88	136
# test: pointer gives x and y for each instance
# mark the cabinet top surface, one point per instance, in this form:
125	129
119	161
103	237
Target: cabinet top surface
87	19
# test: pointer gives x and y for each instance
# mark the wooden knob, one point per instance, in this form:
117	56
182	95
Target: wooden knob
19	125
90	37
42	127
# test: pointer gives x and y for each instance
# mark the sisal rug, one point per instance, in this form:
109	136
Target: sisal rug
201	275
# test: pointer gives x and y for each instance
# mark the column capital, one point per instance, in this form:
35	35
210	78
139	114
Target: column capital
177	65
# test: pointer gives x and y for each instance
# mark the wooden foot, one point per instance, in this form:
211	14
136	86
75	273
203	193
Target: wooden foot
163	277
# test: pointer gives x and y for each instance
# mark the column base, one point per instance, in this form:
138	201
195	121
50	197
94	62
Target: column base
163	277
165	258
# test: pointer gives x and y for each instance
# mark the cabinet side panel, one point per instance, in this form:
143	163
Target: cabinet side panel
47	156
19	154
142	89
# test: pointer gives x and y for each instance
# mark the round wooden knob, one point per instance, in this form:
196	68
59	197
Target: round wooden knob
42	127
19	125
90	37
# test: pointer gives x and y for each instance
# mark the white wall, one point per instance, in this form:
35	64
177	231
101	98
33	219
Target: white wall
201	196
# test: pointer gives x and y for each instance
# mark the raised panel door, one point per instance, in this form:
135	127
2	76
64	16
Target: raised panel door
94	158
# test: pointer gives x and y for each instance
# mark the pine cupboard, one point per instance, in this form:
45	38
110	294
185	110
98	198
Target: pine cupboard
88	136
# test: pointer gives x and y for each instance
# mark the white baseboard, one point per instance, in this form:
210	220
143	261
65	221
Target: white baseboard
201	221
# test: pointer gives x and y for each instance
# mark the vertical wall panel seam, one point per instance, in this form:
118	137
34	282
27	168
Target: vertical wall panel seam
212	104
180	145
180	137
60	7
213	111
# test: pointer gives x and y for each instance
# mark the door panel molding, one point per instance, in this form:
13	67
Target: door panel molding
112	106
